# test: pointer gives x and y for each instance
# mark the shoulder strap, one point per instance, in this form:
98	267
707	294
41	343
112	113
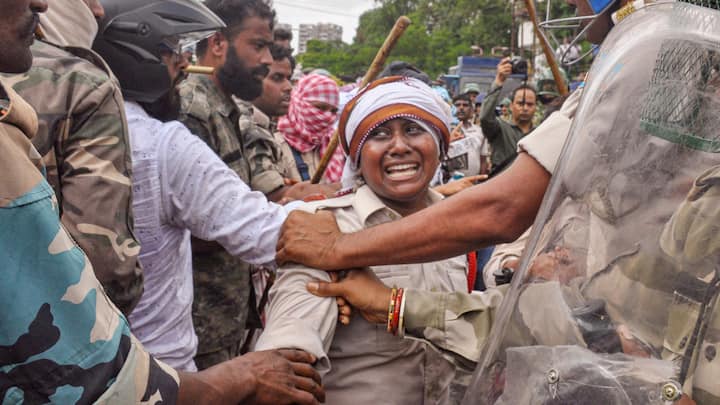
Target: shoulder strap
301	165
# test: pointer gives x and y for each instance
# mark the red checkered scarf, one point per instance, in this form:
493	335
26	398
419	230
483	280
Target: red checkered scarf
306	127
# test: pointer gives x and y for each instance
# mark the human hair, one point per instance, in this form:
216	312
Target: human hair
522	87
464	96
401	68
280	52
282	34
234	12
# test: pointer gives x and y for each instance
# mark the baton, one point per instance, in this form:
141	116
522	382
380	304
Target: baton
375	68
547	50
203	70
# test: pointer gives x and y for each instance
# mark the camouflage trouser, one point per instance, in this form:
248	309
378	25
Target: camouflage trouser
207	360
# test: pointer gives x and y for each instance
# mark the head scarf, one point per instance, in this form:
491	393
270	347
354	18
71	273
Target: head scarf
384	100
306	127
69	23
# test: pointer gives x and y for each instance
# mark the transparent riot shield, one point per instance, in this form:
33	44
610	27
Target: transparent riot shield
616	300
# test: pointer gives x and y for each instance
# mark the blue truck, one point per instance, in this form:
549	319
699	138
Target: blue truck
479	70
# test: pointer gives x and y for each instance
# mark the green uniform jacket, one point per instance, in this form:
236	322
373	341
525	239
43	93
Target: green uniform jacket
84	142
502	135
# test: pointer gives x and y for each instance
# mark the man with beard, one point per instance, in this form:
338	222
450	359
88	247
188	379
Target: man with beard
85	147
240	55
63	340
181	187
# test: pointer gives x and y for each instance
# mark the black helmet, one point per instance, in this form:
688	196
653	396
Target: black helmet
133	34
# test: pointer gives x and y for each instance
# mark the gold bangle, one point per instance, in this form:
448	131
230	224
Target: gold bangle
391	308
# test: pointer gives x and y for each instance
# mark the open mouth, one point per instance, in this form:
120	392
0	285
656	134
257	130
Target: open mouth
402	171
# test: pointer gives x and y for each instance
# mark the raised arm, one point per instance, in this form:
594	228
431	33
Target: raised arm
489	122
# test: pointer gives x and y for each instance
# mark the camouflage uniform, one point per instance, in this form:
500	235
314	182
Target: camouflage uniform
84	143
263	153
61	338
221	281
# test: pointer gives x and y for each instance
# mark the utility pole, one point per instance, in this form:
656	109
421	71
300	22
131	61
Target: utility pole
513	29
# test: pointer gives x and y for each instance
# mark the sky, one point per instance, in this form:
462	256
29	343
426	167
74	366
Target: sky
345	13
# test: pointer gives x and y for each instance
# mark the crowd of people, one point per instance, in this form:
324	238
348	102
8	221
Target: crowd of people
161	240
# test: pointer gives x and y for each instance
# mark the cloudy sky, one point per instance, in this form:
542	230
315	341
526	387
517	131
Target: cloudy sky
342	12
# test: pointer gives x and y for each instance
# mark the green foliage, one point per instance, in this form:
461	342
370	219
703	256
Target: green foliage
441	31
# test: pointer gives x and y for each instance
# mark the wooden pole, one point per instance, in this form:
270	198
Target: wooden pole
547	50
375	68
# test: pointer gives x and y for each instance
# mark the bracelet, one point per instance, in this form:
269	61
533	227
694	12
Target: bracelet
396	312
391	308
401	324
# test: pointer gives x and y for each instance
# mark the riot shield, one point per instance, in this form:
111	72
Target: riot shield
616	300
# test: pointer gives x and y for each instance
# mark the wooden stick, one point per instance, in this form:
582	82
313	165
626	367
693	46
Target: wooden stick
547	50
203	70
375	68
39	33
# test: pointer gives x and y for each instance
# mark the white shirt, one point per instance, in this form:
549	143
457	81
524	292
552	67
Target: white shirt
466	155
181	187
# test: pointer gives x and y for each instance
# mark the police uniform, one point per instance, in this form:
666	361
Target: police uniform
61	338
221	281
84	142
263	152
364	363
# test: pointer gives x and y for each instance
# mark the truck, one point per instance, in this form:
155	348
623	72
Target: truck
479	70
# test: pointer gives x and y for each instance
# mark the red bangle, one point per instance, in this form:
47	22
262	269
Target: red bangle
391	309
396	312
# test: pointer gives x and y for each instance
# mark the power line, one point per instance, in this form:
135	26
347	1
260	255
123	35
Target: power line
324	11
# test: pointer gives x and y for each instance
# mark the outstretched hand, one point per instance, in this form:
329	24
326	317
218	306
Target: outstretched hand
361	289
310	239
275	377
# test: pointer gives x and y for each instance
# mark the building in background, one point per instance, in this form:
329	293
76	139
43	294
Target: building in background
320	31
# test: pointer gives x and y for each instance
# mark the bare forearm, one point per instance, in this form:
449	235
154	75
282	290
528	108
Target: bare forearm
493	212
216	385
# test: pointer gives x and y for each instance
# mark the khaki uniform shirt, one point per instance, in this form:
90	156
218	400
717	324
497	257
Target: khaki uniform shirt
84	142
58	327
364	364
692	235
288	165
460	312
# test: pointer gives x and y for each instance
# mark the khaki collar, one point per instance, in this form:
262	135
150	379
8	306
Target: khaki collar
366	204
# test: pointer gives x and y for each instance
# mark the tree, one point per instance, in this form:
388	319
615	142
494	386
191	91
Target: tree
441	31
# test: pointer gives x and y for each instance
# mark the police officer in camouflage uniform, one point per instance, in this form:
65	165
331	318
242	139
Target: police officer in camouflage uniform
61	338
269	168
83	139
272	104
241	57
